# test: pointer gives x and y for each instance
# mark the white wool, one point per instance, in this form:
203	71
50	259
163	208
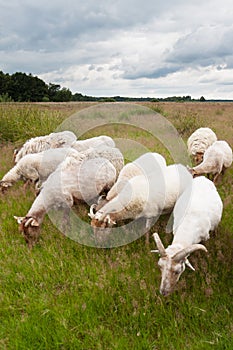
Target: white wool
200	140
37	166
95	142
42	143
197	211
147	196
76	181
146	164
216	157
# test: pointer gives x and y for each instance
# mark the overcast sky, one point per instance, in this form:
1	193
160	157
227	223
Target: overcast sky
122	47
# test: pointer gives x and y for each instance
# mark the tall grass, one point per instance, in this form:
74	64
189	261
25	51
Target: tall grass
19	123
63	295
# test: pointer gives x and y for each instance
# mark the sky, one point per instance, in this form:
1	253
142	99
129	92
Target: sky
130	48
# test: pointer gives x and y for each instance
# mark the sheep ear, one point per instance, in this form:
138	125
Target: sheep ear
35	223
19	219
155	251
187	263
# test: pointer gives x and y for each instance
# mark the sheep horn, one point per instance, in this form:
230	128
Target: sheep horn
28	222
187	251
92	214
160	245
103	196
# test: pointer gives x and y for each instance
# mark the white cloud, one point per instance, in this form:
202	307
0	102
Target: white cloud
130	47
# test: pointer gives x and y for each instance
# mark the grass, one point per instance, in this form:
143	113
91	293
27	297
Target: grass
63	295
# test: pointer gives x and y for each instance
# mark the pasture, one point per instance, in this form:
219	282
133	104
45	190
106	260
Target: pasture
65	295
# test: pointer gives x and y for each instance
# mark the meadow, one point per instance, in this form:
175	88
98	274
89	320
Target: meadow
66	295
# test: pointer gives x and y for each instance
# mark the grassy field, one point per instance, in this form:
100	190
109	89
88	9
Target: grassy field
64	295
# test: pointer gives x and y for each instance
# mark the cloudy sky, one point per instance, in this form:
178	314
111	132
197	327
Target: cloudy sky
123	47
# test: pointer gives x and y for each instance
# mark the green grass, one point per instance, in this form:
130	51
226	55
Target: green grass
63	295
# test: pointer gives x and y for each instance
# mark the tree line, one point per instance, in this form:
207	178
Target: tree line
22	87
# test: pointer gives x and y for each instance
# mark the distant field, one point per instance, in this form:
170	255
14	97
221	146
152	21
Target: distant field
64	295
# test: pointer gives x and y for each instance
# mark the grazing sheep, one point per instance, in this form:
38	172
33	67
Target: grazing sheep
73	180
94	142
199	141
42	143
144	196
113	154
145	164
36	167
216	159
197	212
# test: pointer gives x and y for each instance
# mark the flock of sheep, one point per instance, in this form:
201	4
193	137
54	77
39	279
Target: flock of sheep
65	170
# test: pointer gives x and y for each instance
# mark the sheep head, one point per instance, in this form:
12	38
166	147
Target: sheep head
198	157
4	185
172	266
30	229
108	221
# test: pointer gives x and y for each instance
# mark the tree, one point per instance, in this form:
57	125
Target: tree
23	87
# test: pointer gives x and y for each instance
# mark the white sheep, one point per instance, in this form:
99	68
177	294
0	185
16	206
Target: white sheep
217	158
36	167
74	180
42	143
94	142
197	212
113	154
199	141
144	196
143	165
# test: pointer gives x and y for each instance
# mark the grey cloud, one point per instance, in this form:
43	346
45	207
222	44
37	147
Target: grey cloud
56	26
205	46
152	73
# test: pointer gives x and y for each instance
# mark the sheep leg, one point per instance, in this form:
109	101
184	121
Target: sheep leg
27	183
215	178
66	225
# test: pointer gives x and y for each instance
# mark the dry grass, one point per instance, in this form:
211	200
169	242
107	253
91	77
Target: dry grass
64	295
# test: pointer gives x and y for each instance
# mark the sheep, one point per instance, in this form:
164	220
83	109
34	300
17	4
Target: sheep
216	159
94	142
145	164
36	167
113	154
42	143
74	180
197	212
199	141
144	196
